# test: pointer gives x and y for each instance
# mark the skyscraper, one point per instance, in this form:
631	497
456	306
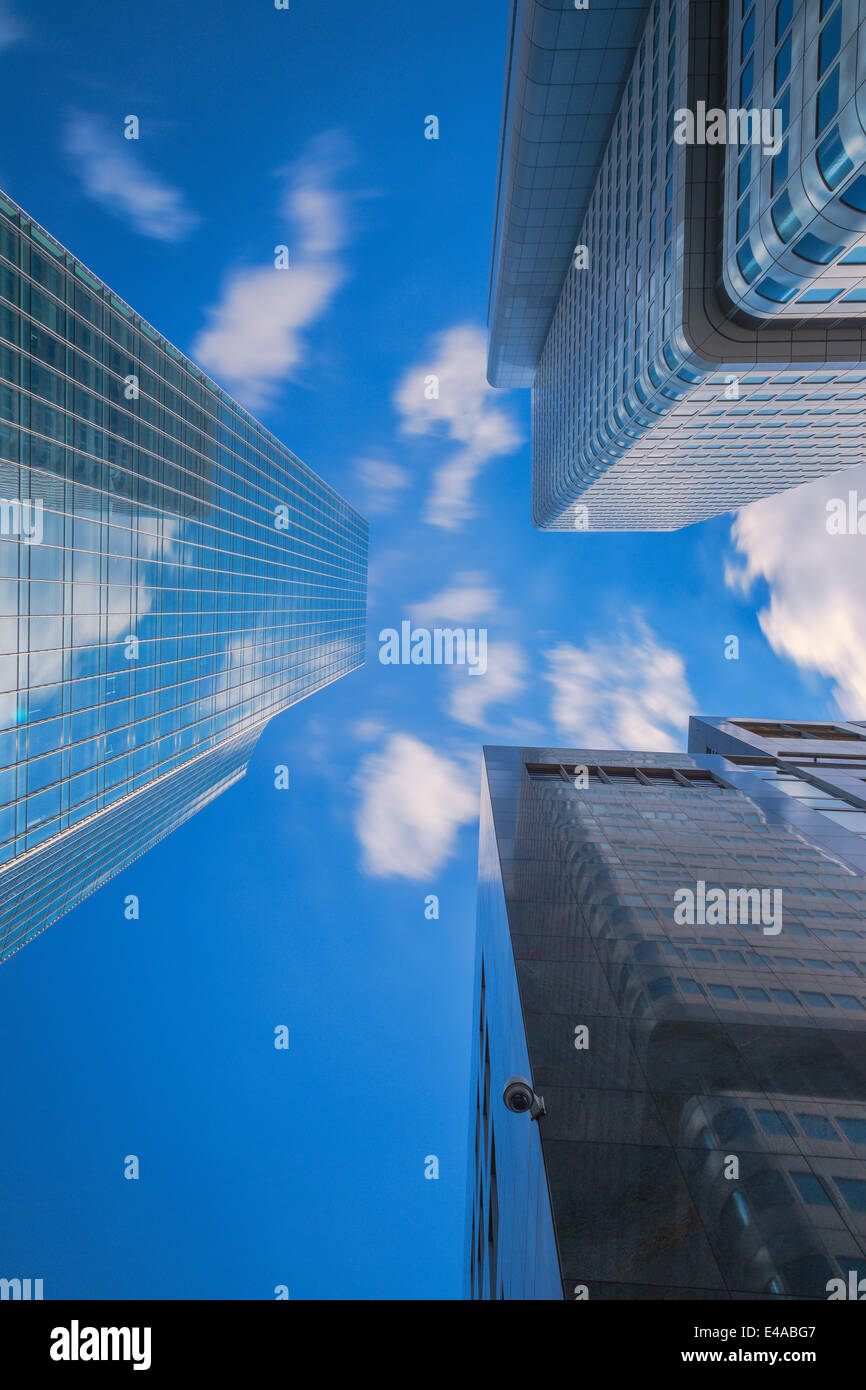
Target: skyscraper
672	953
805	767
171	576
679	253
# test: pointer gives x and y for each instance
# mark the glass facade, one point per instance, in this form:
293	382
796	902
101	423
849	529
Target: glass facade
795	224
564	72
695	359
509	1227
803	768
704	1076
171	578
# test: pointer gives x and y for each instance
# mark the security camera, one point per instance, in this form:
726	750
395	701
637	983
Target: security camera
519	1098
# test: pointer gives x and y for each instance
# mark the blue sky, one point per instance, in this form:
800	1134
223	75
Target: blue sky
306	907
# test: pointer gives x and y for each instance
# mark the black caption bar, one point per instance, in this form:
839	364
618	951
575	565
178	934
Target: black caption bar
144	1339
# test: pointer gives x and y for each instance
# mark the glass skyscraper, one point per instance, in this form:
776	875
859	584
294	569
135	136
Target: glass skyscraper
171	578
679	253
672	950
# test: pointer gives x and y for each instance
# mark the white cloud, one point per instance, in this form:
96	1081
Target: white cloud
412	803
382	482
466	602
255	334
253	338
466	413
501	682
467	598
112	174
629	693
316	209
816	615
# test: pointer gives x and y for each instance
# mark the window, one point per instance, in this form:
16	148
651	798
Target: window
748	266
833	161
776	1122
828	102
746	81
851	820
812	248
733	1124
785	220
853	1128
755	996
785	107
811	1189
819	296
697	377
854	1192
817	1127
829	43
770	288
722	991
783	65
855	194
748	35
784	11
660	988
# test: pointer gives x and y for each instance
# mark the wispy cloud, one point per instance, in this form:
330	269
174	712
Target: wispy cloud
113	175
816	615
367	729
12	30
628	693
382	483
311	202
254	336
412	803
465	411
504	678
470	600
465	600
